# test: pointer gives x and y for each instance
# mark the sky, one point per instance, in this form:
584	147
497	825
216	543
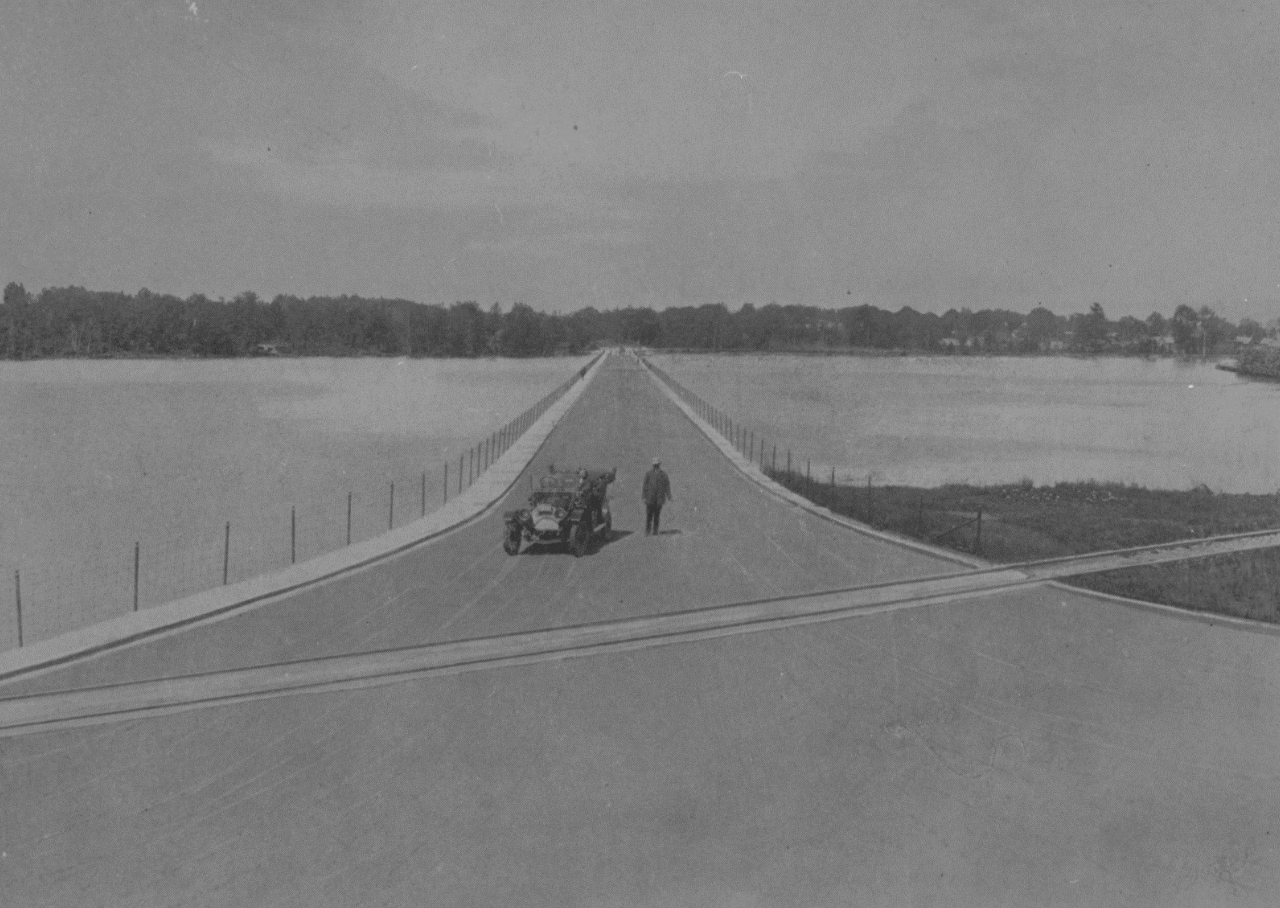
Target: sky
567	153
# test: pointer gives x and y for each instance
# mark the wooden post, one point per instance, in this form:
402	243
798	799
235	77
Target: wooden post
833	478
226	553
349	514
293	535
17	593
807	480
461	459
471	466
424	493
391	509
137	555
977	542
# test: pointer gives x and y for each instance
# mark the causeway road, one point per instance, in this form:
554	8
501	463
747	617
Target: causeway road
1029	746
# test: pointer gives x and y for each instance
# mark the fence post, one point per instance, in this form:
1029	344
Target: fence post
226	553
424	493
293	535
391	509
17	593
349	517
807	463
774	466
461	458
977	542
137	547
471	466
833	478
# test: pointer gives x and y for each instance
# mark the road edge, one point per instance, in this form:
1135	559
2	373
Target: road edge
757	476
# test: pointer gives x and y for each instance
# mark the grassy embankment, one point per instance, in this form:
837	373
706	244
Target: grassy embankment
1024	522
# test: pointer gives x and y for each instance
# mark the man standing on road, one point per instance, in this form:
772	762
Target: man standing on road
657	491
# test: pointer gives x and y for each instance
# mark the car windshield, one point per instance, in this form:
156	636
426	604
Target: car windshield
558	482
555	498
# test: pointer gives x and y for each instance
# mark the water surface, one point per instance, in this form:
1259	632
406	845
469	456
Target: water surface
933	420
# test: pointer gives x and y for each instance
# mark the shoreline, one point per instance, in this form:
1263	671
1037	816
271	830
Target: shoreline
878	353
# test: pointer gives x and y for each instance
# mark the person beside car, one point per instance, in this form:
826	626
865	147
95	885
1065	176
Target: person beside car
656	492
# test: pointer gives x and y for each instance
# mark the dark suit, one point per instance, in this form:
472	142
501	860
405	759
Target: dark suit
657	491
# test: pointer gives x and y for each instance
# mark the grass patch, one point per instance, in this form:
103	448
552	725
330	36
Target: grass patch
1025	522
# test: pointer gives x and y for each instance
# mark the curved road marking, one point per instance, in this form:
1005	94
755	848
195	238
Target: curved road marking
19	715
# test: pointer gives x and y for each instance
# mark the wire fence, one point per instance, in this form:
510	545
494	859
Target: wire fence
118	576
883	508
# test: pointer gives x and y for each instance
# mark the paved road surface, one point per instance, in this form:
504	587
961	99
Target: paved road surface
1031	747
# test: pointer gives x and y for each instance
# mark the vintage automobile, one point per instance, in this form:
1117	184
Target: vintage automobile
566	506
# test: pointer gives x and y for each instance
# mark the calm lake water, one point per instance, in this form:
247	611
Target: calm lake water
934	420
98	455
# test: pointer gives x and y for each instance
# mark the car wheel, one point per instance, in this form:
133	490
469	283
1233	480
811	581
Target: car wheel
511	541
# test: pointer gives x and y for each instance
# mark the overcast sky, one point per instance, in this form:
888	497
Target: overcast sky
577	152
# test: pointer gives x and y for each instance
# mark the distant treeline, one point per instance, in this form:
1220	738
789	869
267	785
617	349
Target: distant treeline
72	321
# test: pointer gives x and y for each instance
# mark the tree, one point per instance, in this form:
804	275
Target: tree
1213	330
1252	329
1042	328
1091	330
1156	325
15	295
1185	326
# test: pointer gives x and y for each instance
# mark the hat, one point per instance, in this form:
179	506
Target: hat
656	461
